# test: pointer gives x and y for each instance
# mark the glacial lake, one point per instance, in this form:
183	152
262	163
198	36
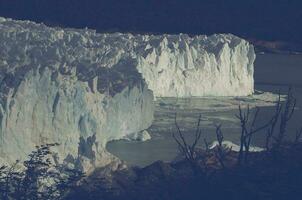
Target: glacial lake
273	73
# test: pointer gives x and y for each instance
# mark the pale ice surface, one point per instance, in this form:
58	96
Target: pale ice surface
226	145
172	65
138	136
183	66
59	87
234	147
82	89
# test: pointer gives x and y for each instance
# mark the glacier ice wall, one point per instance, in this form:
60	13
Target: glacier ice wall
82	89
183	66
55	87
172	65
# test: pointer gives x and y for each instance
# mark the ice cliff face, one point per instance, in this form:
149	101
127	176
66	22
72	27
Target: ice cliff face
183	66
82	89
59	87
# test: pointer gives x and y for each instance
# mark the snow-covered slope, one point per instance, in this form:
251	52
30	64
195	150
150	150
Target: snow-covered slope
82	89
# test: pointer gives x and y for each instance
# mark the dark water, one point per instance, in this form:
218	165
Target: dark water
272	73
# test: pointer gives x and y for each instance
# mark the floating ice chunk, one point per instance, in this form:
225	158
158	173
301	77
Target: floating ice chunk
139	136
234	147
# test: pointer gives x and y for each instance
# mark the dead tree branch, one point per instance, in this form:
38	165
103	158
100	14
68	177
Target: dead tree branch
271	129
188	150
285	116
220	151
298	136
247	133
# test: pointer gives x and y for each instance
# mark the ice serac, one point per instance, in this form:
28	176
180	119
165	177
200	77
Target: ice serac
183	66
65	87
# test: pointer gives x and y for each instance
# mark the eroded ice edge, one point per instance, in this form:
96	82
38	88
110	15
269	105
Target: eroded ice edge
82	89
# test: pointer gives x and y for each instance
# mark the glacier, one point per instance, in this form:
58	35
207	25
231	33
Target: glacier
81	89
56	88
183	66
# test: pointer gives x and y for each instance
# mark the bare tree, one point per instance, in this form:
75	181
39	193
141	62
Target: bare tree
298	136
220	152
206	144
285	116
271	129
247	131
188	150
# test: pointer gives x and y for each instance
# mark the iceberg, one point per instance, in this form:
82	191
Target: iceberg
81	89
